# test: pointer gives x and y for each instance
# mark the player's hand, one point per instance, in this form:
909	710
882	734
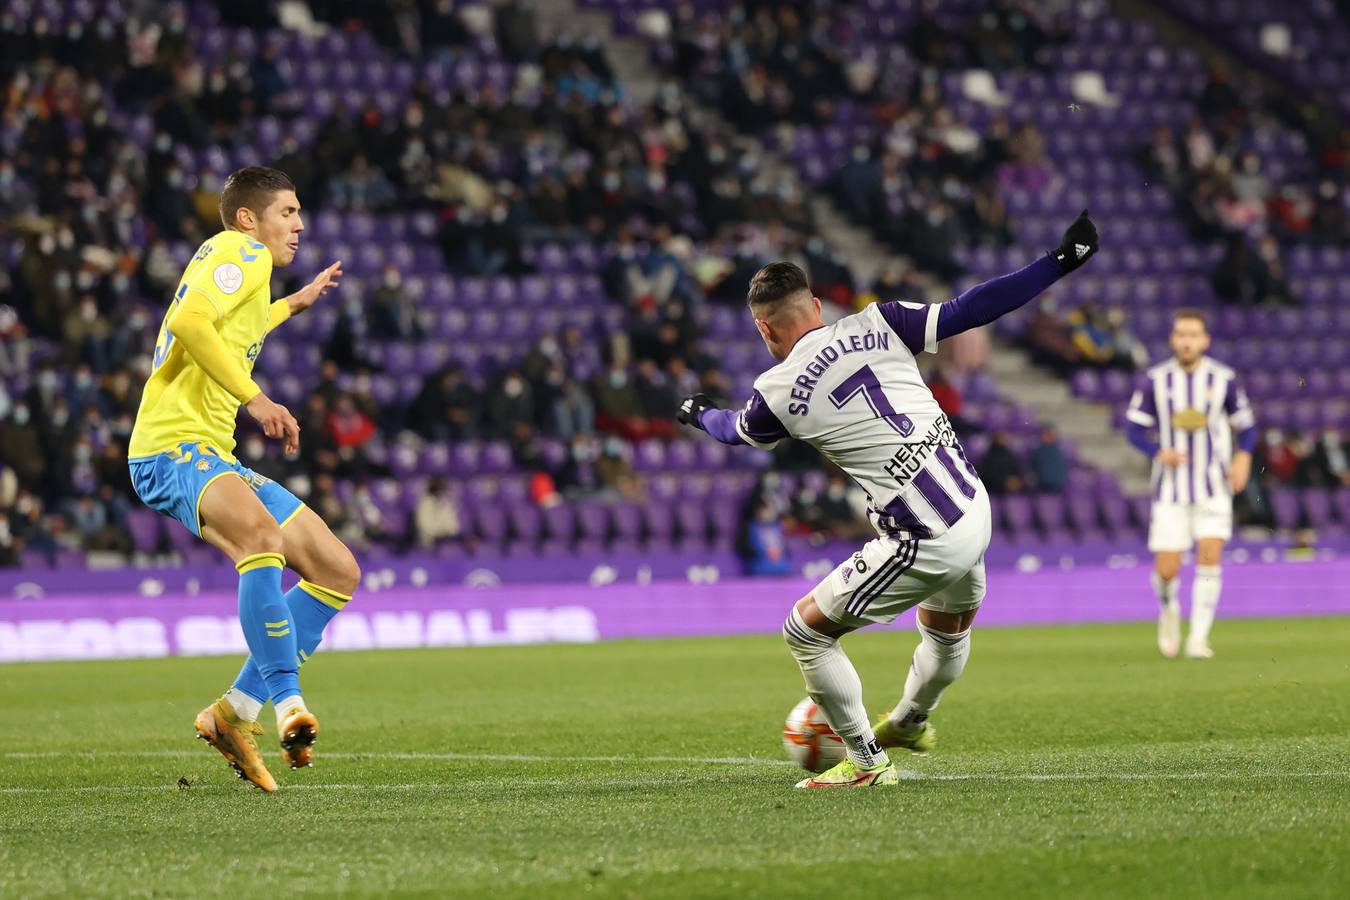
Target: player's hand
1079	244
276	421
304	298
1240	473
691	410
1172	458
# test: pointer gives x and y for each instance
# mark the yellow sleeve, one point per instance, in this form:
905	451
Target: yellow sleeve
235	267
277	313
193	325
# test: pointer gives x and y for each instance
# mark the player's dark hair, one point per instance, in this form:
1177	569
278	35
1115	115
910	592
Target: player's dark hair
776	281
251	188
1190	312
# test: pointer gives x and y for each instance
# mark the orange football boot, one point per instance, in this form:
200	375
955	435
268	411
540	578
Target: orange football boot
236	740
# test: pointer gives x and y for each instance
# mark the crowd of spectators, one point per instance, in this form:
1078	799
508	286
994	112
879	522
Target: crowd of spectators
1307	461
1086	336
926	181
93	222
1229	197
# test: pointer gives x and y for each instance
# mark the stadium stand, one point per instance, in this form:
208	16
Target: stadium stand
538	265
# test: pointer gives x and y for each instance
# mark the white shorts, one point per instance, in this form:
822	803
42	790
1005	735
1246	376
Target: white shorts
887	577
1175	527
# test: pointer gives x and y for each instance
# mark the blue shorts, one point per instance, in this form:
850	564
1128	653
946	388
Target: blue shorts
172	483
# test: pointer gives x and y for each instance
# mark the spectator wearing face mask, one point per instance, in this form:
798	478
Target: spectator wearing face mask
511	404
618	406
615	473
1331	460
447	407
1278	462
391	313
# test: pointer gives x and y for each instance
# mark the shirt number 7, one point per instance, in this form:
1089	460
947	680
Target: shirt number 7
864	381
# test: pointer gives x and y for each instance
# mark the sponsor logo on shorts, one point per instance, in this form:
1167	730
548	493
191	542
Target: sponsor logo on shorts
846	574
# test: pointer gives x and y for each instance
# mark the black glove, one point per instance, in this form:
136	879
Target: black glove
1080	242
691	410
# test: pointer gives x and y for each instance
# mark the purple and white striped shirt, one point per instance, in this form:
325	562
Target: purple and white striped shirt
1196	413
853	391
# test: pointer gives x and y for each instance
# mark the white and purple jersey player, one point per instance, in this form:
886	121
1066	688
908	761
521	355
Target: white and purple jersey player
1195	411
853	390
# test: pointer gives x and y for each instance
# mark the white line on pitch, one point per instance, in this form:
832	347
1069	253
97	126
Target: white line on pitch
634	782
444	757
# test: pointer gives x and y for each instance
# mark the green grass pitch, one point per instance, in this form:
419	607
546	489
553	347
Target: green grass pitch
1074	762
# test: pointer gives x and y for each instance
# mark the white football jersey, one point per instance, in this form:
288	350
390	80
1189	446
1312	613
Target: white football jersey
853	391
1196	413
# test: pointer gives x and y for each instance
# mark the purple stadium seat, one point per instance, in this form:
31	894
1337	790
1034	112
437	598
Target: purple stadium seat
627	520
692	521
1051	512
658	521
491	523
1017	514
592	521
1317	508
147	530
1284	508
526	522
559	522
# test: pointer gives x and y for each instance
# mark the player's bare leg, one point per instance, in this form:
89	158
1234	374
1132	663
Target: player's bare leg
833	683
330	575
235	521
939	659
1166	585
1204	596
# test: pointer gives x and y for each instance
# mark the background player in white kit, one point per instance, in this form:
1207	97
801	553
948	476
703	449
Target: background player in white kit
1195	404
853	391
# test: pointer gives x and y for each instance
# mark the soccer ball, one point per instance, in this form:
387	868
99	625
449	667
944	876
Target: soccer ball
809	740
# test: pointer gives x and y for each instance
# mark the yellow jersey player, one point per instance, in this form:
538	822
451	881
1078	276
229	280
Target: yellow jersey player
182	464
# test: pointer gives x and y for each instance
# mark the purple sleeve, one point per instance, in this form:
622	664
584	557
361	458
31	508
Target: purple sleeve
1238	407
1143	404
755	425
997	297
911	321
721	424
1247	439
1138	436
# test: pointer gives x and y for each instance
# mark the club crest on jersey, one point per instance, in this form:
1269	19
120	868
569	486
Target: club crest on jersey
203	465
1189	419
228	277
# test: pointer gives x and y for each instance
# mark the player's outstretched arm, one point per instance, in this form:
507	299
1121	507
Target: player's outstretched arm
754	426
303	299
997	297
921	326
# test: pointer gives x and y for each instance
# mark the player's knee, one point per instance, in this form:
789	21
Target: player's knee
345	575
1168	568
801	639
264	536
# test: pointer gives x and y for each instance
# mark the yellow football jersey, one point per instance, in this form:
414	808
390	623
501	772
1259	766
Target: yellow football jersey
181	402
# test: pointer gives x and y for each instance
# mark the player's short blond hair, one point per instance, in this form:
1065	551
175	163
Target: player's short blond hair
251	188
1191	312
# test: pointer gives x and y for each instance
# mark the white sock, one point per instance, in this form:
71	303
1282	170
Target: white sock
1166	590
284	708
245	707
833	683
938	661
1204	598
